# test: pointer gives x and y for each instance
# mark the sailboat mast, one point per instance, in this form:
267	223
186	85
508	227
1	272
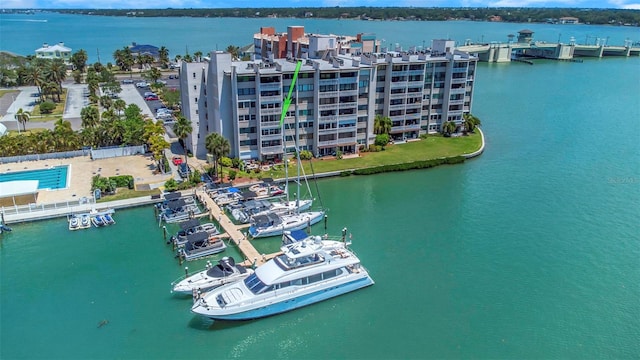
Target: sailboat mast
297	153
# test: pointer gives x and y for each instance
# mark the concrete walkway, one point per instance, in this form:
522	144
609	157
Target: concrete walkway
234	231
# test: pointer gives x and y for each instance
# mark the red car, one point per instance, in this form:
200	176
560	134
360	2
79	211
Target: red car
151	97
177	160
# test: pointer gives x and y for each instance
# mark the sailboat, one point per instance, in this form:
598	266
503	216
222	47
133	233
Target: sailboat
275	223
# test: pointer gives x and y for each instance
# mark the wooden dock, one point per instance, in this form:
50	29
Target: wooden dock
233	231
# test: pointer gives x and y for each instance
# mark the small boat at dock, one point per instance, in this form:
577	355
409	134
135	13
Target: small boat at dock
200	245
190	227
225	272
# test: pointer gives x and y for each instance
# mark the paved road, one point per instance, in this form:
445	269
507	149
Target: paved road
24	100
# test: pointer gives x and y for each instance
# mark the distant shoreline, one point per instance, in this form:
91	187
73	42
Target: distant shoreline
560	16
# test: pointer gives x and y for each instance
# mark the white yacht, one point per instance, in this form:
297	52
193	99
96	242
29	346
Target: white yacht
273	224
309	271
225	272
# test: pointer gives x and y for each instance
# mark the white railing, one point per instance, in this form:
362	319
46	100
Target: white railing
31	208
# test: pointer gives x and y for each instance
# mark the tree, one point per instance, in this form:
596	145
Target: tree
56	71
218	147
152	129
90	117
157	145
35	76
153	75
470	122
119	105
197	56
448	128
234	51
22	117
47	107
77	76
381	124
183	128
163	54
79	60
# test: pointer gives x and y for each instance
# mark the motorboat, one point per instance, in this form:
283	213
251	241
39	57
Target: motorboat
225	272
307	271
74	222
97	221
273	224
85	222
109	219
201	244
190	227
173	203
179	210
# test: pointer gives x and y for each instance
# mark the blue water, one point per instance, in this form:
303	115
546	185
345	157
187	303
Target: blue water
52	178
531	251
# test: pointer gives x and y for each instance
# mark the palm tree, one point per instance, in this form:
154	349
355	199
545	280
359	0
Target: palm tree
197	56
79	60
448	128
119	105
381	125
218	147
90	117
470	122
56	71
163	54
152	75
22	117
183	128
233	50
47	89
35	76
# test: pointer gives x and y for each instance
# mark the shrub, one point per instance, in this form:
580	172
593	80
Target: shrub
374	148
338	154
382	140
225	161
306	155
122	180
47	107
235	162
409	166
345	173
232	175
171	185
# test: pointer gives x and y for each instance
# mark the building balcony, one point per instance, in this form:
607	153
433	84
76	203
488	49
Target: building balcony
353	93
399	73
270	86
460	90
398	85
456	102
276	98
458	80
327	94
273	111
415	72
397	96
328	82
271	137
271	150
347	105
327	131
333	106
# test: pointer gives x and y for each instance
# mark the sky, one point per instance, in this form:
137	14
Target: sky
145	4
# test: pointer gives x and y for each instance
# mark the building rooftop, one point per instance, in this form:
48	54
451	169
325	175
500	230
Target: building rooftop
57	47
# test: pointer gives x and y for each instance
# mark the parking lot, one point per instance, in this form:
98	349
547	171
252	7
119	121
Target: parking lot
152	102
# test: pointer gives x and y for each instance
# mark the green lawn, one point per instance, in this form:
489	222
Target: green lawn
124	193
433	147
55	114
4	92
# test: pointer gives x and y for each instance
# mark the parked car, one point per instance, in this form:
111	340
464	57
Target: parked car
151	97
160	81
142	84
177	160
183	170
127	81
149	93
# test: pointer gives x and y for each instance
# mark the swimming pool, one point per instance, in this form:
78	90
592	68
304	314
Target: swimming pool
52	178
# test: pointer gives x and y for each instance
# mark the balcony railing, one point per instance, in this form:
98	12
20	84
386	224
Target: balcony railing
271	150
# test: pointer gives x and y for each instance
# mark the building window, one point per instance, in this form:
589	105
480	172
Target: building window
194	75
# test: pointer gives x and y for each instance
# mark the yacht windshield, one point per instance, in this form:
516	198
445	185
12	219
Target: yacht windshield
254	284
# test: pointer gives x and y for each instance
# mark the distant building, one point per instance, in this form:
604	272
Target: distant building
568	20
57	51
525	36
140	49
296	44
495	18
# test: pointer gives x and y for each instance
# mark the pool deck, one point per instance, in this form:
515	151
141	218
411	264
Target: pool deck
82	169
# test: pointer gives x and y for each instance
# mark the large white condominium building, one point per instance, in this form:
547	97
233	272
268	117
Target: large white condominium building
336	99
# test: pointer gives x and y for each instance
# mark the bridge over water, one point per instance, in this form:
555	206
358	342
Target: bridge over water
505	52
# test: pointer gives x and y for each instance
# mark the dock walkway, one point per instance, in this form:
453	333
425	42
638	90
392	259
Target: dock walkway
233	231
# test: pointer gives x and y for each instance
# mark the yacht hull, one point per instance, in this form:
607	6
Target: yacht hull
285	303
